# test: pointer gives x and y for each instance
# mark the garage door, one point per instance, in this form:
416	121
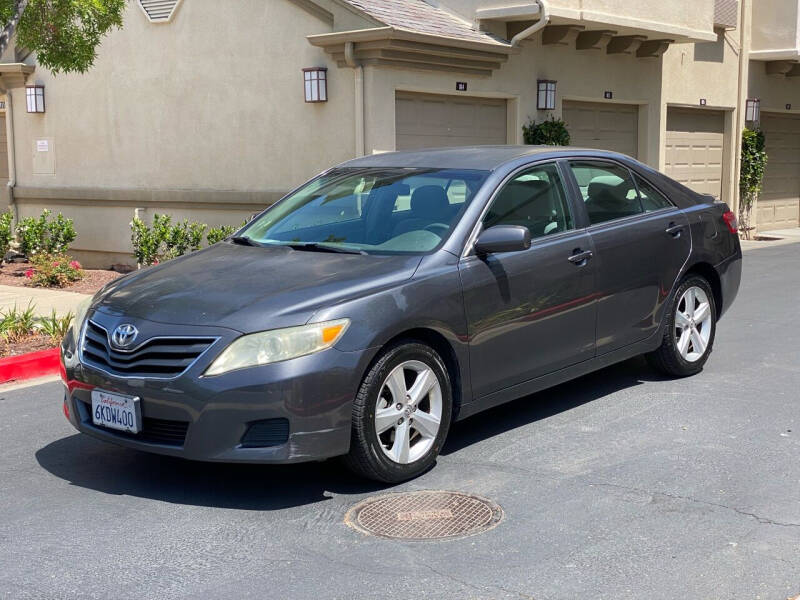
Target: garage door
430	121
605	126
779	204
694	148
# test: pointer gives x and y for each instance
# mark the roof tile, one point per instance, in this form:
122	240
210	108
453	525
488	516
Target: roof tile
420	17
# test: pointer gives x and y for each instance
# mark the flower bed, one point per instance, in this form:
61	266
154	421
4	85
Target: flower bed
93	279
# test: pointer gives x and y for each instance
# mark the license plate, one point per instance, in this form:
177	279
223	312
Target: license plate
116	411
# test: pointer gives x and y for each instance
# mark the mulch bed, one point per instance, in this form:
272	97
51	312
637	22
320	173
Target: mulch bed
93	279
32	343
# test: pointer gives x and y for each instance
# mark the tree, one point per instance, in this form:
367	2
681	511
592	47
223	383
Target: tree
754	163
64	34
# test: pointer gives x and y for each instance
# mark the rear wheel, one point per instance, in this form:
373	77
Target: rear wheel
401	414
689	331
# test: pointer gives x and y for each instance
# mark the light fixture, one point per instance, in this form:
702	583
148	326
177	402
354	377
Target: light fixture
315	80
546	94
34	95
752	112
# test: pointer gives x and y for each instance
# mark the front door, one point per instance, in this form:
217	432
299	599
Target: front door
641	242
530	312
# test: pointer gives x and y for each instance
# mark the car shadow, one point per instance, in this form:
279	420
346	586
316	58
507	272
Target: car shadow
549	402
89	463
109	469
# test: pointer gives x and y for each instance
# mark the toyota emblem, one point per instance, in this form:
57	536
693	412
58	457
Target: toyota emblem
124	335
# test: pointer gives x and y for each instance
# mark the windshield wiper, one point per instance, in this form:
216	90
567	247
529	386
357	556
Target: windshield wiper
245	241
321	247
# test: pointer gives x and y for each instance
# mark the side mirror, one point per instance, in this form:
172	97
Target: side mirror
503	238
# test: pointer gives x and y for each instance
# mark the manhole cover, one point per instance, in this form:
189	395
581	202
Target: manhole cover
424	515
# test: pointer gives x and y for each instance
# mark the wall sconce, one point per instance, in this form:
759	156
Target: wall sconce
315	80
34	95
752	111
546	95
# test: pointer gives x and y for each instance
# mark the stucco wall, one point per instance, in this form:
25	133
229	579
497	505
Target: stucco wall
584	75
773	91
171	112
213	100
775	25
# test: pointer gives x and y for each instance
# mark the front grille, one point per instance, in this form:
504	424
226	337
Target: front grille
154	431
266	433
158	357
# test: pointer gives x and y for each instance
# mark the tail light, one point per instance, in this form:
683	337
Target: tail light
730	221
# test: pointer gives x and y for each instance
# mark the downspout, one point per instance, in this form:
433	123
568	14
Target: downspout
12	154
741	101
544	19
350	60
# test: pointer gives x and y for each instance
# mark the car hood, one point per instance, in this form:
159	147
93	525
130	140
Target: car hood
250	288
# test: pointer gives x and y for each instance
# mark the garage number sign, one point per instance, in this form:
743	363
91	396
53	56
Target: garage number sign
461	86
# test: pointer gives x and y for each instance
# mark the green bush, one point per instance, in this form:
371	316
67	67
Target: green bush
164	240
53	270
217	234
41	234
54	326
552	132
754	163
6	231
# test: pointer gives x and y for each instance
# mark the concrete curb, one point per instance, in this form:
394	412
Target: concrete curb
30	366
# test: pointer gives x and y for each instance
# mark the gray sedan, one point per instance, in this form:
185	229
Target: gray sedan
392	295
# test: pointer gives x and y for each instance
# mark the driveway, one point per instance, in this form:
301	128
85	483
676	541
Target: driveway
619	485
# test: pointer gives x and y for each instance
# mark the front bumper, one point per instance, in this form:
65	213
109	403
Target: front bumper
312	393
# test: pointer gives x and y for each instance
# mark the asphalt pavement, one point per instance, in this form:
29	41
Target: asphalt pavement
620	485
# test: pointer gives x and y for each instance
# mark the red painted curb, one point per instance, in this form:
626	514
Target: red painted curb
28	366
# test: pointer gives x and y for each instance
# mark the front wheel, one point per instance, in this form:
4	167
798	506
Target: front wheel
401	414
689	332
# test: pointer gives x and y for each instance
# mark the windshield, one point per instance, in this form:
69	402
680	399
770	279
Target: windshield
373	210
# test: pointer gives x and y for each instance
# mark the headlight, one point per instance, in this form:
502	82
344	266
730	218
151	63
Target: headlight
277	345
78	319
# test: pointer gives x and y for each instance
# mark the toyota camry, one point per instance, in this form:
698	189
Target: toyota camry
390	296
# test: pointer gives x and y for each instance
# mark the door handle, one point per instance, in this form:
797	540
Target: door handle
580	257
674	230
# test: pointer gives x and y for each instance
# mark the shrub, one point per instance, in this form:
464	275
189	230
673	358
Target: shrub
551	132
16	324
53	270
164	240
754	163
54	326
41	234
184	237
6	232
217	234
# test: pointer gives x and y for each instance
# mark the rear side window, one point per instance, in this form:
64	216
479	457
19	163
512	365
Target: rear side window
652	199
534	199
607	189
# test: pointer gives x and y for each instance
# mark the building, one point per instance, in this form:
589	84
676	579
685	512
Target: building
198	107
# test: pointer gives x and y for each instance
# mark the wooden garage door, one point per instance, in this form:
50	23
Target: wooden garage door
431	121
694	146
779	204
605	126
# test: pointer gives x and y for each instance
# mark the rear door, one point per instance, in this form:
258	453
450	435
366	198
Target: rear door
530	312
641	241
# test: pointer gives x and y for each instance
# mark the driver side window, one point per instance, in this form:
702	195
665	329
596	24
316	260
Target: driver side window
534	199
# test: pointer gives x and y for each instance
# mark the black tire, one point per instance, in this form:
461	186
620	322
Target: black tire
366	457
667	358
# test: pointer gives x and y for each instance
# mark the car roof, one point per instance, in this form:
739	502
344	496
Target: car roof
485	158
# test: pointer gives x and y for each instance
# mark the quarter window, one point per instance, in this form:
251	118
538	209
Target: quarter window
534	199
652	199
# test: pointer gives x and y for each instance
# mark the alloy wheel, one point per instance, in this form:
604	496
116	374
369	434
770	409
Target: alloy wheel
409	412
693	324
